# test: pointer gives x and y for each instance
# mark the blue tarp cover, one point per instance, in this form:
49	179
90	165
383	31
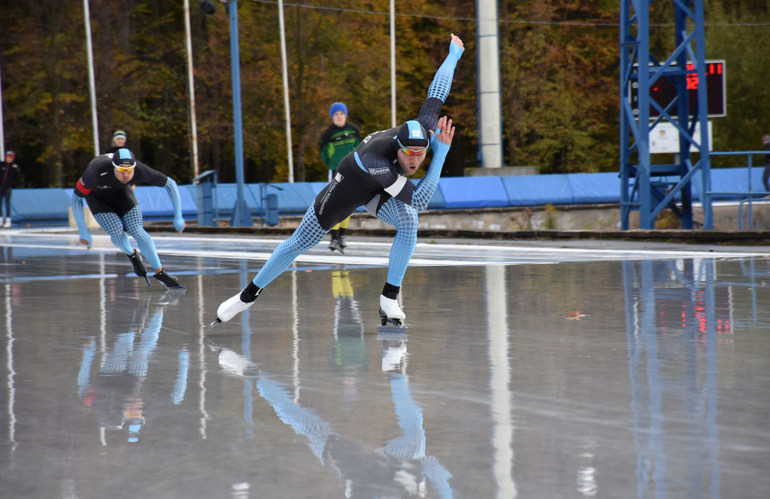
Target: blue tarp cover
437	200
473	192
294	199
537	190
594	187
226	195
39	204
452	193
154	202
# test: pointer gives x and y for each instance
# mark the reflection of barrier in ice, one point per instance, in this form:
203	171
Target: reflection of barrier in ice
641	282
11	370
496	300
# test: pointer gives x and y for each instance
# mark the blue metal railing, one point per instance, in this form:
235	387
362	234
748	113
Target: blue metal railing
749	195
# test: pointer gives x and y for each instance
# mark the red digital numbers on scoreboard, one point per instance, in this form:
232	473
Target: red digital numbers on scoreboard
664	91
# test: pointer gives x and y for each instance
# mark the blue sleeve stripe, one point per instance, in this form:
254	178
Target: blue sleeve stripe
358	160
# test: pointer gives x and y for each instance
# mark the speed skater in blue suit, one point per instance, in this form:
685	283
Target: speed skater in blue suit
374	175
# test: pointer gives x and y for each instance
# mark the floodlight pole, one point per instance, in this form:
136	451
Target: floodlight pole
91	79
285	74
393	63
241	213
191	88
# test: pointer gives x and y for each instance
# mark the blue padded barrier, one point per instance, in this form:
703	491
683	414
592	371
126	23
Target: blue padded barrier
437	200
226	195
155	203
735	180
537	190
29	205
473	192
595	187
294	199
318	187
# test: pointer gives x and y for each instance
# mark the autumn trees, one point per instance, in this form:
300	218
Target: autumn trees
559	62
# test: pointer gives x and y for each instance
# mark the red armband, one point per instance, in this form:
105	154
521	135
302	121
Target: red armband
82	188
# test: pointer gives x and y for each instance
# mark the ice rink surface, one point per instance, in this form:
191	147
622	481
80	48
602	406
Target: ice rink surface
528	370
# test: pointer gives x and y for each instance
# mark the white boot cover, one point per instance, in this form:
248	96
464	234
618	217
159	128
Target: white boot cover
391	309
232	307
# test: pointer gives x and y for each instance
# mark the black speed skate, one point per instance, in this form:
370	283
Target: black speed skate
335	245
385	320
169	280
138	264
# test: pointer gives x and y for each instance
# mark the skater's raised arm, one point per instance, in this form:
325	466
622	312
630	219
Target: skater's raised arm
439	88
440	143
173	193
76	202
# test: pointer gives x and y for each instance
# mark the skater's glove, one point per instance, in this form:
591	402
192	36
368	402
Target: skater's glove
178	223
434	137
86	236
456	50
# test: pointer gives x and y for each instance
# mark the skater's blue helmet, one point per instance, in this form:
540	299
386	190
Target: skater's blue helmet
412	134
123	158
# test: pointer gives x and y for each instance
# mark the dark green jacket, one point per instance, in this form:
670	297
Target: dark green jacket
336	143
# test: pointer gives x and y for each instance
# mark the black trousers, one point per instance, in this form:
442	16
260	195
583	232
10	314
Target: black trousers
766	177
119	202
6	193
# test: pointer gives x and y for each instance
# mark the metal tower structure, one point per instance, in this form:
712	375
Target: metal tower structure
641	185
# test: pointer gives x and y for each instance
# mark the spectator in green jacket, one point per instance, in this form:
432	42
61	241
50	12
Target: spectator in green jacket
339	140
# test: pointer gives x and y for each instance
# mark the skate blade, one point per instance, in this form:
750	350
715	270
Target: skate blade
176	286
392	333
147	279
216	322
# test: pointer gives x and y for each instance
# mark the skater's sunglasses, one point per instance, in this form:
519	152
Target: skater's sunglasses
125	168
411	152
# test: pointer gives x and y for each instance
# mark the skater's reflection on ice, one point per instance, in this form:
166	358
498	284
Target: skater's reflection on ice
400	468
114	393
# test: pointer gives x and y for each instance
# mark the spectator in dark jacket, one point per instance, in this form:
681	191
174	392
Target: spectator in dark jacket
766	173
10	176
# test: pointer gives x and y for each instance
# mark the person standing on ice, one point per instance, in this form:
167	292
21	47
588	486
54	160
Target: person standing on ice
375	175
106	186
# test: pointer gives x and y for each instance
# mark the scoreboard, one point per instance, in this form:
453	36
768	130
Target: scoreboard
663	91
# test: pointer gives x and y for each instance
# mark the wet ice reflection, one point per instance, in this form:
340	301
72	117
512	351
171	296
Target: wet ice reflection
657	391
